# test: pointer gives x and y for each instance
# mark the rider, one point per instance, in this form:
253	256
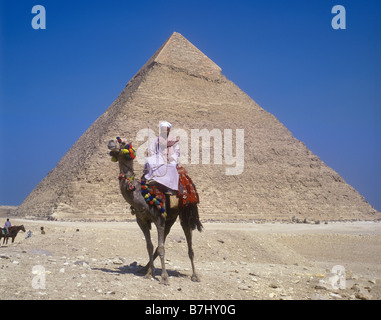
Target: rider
7	225
162	160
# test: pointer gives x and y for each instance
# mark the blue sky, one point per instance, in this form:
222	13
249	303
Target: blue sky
322	84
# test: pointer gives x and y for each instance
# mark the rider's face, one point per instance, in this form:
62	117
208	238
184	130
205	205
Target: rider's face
164	132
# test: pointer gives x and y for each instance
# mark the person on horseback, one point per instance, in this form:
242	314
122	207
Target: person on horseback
162	160
7	225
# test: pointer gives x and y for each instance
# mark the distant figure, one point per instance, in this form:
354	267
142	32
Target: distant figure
7	225
42	230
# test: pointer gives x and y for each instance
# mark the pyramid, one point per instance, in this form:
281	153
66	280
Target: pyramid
280	178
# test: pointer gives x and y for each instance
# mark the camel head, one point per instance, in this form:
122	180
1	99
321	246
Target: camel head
120	150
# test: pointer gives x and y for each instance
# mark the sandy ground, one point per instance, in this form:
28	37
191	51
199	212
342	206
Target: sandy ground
94	260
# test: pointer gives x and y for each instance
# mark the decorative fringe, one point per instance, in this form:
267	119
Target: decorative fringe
153	198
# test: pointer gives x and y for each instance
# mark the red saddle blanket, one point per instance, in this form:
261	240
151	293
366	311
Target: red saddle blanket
187	192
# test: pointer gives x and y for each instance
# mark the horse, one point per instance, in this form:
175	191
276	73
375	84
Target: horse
12	233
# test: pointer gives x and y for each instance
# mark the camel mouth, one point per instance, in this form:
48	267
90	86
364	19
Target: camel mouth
114	153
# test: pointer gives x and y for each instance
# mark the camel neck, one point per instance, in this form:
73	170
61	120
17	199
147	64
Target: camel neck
127	168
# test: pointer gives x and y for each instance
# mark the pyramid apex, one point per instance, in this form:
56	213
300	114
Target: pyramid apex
179	53
176	34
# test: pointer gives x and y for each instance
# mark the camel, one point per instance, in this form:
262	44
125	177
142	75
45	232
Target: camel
146	214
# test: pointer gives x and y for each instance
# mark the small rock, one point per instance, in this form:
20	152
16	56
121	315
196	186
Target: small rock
81	263
321	286
117	261
362	295
355	287
243	287
335	295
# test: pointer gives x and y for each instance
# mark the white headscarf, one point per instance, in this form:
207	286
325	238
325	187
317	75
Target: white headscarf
165	124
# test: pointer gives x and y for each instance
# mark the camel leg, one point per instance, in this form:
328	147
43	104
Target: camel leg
161	251
188	235
168	226
144	226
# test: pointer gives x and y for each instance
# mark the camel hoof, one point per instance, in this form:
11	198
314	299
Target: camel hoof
164	279
195	278
149	275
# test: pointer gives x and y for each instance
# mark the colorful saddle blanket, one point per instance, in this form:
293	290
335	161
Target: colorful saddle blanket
187	192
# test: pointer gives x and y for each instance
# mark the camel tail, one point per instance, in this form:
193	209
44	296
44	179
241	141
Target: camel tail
189	217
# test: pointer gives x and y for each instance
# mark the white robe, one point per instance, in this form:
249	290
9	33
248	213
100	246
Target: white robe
161	163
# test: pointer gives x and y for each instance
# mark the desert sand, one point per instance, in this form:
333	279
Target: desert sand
242	260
